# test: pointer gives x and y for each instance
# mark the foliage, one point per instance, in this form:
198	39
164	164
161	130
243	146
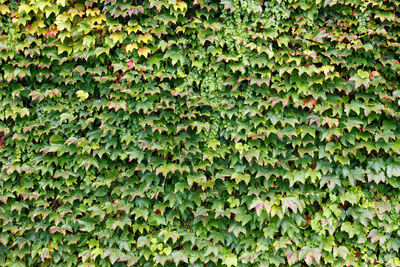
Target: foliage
190	132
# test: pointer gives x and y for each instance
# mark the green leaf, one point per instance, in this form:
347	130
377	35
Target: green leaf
375	236
393	244
341	251
389	125
230	260
156	220
348	228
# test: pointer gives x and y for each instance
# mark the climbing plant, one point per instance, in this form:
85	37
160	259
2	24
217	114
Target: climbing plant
205	132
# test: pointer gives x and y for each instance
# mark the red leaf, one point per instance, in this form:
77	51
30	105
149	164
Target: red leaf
130	64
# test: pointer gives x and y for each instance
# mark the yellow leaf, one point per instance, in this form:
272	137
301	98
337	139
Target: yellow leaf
33	29
180	5
61	48
82	95
117	37
131	47
134	29
49	10
144	51
42	4
61	2
40	23
25	8
180	29
4	9
62	26
75	12
88	41
93	12
100	50
64	35
145	38
99	19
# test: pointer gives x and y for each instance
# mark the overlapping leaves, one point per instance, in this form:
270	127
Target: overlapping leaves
199	132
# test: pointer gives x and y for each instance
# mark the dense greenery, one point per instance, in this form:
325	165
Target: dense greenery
200	132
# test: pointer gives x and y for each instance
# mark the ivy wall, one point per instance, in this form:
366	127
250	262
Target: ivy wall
203	133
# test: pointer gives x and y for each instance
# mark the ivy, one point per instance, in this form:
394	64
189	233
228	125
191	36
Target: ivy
205	132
